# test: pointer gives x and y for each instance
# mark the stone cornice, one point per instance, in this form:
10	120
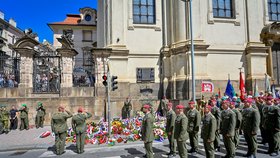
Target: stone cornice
64	52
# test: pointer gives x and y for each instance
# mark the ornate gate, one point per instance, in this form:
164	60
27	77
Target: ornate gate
46	72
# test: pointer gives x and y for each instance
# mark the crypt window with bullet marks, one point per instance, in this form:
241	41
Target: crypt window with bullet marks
46	70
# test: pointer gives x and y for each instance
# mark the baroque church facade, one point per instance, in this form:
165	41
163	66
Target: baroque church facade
150	44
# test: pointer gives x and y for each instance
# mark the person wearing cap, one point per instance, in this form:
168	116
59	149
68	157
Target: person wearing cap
194	119
24	123
170	127
208	130
147	131
13	118
5	119
217	114
228	125
250	126
40	116
180	132
79	126
59	128
261	105
271	125
126	109
238	117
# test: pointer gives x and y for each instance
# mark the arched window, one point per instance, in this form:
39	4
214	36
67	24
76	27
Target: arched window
274	10
223	9
144	12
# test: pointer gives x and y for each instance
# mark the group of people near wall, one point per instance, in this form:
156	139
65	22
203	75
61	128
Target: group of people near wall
9	119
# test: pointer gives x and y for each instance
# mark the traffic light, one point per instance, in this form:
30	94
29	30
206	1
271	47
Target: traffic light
104	80
114	83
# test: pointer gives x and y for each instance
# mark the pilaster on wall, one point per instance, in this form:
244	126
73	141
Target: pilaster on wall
67	66
177	68
26	67
256	57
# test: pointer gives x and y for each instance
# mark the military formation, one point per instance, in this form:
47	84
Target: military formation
221	119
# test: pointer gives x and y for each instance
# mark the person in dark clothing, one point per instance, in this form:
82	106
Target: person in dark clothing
13	119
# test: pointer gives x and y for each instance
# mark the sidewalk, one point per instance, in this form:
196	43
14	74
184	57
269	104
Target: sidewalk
29	139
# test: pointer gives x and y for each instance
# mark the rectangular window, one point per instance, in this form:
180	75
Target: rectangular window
144	11
145	74
223	9
274	10
87	35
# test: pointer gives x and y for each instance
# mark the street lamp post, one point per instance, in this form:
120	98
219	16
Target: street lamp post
192	46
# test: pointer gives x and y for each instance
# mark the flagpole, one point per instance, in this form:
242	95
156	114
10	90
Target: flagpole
265	78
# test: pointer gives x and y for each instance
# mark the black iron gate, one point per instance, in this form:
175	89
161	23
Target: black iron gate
46	73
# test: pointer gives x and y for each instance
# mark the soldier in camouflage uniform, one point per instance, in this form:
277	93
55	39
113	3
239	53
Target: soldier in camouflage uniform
126	110
79	126
24	123
59	128
162	108
5	119
228	125
147	131
208	131
180	133
40	117
261	104
271	125
238	117
194	119
250	126
170	127
217	114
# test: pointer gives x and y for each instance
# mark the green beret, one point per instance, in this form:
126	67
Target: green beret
23	105
40	103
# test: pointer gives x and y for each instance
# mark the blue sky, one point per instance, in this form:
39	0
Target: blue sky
35	14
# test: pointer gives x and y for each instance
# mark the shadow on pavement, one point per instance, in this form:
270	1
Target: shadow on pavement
52	148
72	147
19	153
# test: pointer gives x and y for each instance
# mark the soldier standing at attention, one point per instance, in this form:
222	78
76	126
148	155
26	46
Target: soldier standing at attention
194	119
40	117
170	127
162	108
59	128
261	105
208	130
126	110
79	126
5	119
228	125
217	114
14	119
24	123
180	133
250	126
272	127
238	117
147	131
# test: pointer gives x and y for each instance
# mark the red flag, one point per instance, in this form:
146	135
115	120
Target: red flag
219	93
241	87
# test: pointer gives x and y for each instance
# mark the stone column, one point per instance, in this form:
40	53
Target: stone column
67	66
256	59
26	67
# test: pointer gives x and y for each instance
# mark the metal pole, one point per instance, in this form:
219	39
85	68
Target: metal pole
192	53
108	97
